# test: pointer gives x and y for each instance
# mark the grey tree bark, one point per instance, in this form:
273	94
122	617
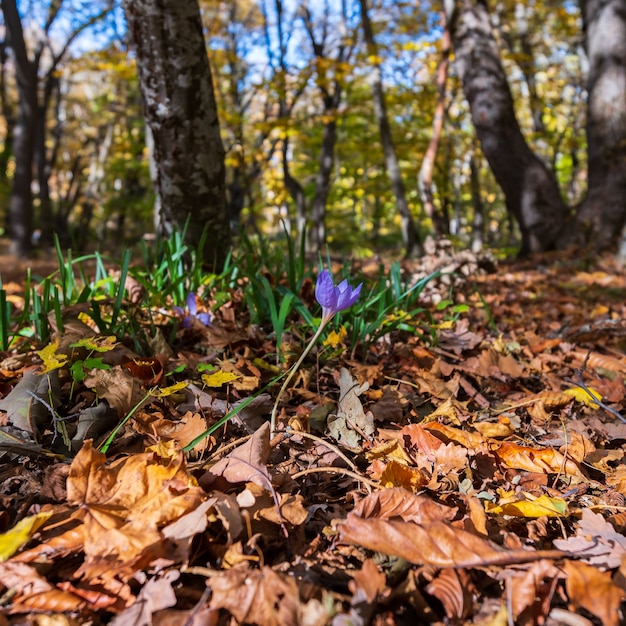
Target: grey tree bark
21	202
601	216
531	191
33	106
410	237
181	111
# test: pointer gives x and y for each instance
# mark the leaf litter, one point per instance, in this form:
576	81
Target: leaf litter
478	477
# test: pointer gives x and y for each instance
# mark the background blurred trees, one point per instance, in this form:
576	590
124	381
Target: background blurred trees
500	140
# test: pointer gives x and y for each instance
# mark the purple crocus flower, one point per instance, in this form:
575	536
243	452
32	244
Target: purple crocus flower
191	313
334	298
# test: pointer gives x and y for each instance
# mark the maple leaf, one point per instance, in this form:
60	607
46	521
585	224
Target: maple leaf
128	501
219	378
52	359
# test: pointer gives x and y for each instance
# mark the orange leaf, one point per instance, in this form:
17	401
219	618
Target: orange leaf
591	589
129	500
399	475
541	460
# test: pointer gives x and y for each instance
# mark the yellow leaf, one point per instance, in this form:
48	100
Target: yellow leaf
399	475
51	359
542	506
335	338
219	378
168	391
501	428
12	540
585	396
97	344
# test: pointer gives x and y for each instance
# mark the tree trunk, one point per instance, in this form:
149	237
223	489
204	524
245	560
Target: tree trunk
21	203
295	190
531	191
478	223
601	216
49	223
425	176
410	237
317	230
8	113
180	108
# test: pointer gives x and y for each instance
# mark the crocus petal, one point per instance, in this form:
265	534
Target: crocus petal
325	290
187	322
191	303
334	298
178	310
205	318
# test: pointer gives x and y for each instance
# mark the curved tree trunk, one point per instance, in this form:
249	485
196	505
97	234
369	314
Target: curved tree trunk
180	108
601	216
531	191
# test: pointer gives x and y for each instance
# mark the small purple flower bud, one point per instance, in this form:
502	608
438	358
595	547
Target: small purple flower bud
334	298
191	304
190	313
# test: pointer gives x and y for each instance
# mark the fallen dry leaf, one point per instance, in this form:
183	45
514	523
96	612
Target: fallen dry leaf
156	594
591	589
453	589
351	424
262	597
246	463
596	541
534	459
127	501
433	543
401	504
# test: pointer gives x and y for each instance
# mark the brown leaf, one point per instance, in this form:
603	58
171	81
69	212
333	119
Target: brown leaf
389	407
52	601
129	500
369	581
118	387
156	594
197	520
60	545
24	410
33	593
469	440
245	463
434	543
596	541
591	589
528	589
260	597
454	590
400	503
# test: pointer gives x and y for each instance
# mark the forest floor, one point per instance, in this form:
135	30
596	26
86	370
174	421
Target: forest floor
474	474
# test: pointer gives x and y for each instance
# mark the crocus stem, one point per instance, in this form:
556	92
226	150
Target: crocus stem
292	371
